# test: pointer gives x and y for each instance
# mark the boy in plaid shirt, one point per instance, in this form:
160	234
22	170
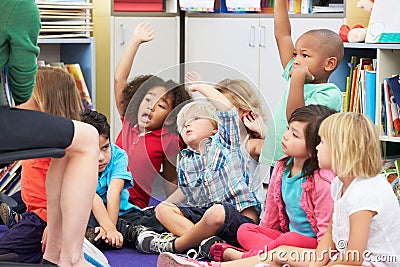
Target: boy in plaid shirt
213	196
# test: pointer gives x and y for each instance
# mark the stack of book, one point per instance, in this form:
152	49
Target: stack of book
65	18
76	71
360	87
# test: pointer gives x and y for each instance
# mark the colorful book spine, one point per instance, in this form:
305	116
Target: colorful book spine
75	70
370	94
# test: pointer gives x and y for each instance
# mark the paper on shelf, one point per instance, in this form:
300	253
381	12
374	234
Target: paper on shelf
197	5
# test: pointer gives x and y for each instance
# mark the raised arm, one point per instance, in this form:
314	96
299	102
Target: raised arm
219	101
282	31
144	32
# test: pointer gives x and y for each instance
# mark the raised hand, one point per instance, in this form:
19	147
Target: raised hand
255	123
144	32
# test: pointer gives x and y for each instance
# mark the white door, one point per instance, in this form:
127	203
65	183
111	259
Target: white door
159	57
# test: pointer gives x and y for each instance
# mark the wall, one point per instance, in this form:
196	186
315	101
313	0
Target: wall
101	19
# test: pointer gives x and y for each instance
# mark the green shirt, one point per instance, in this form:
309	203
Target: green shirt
327	94
19	30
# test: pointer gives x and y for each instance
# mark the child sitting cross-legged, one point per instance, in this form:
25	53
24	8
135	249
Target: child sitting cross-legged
213	197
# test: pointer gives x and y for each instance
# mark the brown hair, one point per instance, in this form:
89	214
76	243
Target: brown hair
56	93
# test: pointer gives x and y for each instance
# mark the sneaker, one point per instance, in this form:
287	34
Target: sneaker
152	242
205	245
168	259
9	217
133	231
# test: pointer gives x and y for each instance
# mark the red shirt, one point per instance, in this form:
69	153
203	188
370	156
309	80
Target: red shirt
146	152
33	185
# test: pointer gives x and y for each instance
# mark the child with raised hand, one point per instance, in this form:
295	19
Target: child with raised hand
148	137
214	196
299	204
307	67
111	198
66	103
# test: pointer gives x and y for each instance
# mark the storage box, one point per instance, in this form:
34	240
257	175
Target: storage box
139	5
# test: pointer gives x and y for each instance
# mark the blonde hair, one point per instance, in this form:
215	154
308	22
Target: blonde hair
243	97
354	144
200	107
56	93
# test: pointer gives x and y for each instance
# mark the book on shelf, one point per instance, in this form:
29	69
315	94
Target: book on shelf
392	112
196	5
75	70
394	85
391	167
352	64
370	94
11	177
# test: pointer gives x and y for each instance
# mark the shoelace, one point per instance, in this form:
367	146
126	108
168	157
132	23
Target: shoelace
193	252
162	243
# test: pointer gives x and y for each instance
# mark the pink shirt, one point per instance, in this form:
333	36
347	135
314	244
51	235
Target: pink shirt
146	153
316	201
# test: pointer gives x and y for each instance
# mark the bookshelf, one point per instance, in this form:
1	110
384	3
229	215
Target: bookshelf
70	51
388	64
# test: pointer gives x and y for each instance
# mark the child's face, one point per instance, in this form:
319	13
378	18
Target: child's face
294	141
105	152
324	155
154	109
197	128
308	53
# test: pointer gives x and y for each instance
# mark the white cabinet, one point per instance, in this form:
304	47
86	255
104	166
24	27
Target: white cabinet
228	41
246	44
158	57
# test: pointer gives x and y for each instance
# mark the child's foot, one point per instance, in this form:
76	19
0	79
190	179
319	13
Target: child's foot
9	217
168	259
205	245
133	231
152	242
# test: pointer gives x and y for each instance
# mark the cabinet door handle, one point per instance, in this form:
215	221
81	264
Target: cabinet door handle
262	37
123	34
251	36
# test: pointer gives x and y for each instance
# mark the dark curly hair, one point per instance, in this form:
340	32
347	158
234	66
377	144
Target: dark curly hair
313	115
141	85
98	120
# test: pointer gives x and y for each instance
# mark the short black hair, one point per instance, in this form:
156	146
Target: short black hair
97	120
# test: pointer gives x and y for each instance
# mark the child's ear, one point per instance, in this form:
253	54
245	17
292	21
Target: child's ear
330	64
215	130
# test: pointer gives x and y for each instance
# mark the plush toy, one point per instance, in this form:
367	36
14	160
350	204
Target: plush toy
366	4
357	34
353	35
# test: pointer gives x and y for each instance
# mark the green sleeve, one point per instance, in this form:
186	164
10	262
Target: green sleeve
23	28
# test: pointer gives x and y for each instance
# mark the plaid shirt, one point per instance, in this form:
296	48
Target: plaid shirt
218	175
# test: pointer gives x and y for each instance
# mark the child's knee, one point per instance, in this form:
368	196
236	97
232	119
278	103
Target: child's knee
164	210
215	216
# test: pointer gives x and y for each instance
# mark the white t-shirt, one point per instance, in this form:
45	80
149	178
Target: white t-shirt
375	194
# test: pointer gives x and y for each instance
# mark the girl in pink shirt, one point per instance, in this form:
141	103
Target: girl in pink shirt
299	205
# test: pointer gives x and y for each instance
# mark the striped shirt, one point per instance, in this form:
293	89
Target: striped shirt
218	175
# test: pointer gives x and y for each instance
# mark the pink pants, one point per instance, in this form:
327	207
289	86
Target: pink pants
256	239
